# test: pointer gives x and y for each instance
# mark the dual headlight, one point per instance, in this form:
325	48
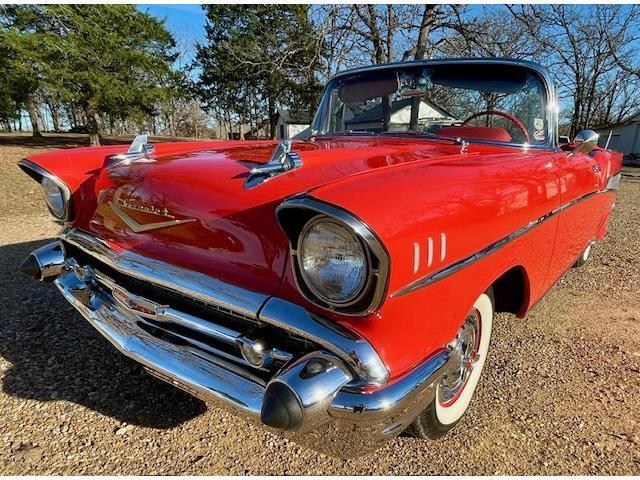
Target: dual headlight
338	262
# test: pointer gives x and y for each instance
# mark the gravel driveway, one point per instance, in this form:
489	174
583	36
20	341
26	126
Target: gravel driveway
560	393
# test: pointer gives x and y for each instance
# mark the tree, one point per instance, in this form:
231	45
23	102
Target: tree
108	60
260	56
580	50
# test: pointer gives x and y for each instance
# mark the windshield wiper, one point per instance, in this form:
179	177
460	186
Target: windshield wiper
435	136
347	133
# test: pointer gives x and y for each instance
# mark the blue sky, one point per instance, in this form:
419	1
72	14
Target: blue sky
179	17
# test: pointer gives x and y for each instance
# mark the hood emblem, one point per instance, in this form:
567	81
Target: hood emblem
138	227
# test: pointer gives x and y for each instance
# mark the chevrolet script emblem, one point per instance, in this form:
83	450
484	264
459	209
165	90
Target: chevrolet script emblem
145	227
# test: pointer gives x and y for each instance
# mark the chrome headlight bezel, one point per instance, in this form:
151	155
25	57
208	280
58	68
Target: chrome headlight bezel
39	174
53	197
296	213
311	284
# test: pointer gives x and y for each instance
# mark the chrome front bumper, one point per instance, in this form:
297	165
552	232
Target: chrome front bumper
337	407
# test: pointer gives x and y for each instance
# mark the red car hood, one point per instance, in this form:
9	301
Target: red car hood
217	226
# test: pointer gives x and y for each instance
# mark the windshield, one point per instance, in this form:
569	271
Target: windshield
486	102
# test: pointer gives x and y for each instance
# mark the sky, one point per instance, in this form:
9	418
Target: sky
179	18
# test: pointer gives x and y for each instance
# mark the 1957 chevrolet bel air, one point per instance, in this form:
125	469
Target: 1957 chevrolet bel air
340	288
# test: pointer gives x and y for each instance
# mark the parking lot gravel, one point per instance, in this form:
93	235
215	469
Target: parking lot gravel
560	393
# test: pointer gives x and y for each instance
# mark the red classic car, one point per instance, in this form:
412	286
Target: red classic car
339	288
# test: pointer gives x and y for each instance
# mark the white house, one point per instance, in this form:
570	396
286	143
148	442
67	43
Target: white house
291	123
625	135
400	116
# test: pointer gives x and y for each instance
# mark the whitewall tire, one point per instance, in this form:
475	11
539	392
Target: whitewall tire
455	389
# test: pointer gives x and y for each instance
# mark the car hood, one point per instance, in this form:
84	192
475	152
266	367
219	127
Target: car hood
192	208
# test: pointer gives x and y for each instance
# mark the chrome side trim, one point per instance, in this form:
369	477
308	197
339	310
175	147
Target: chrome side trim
189	283
37	172
488	250
379	275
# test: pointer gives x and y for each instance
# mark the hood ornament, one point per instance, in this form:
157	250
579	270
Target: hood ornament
138	227
282	160
140	149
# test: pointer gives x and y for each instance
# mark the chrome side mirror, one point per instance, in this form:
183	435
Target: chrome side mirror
586	141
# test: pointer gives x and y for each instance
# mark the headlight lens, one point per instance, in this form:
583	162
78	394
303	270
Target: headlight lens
332	261
53	196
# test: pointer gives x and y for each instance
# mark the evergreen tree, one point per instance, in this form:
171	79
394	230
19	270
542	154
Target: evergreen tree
108	60
260	56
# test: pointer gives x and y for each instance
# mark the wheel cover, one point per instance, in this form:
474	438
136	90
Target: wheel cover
464	356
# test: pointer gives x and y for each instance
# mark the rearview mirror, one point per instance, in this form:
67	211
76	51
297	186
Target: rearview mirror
586	141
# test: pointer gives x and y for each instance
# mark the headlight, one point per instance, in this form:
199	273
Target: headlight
53	196
332	261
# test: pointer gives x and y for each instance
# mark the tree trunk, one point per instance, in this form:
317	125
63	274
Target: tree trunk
33	116
92	125
272	116
55	117
425	28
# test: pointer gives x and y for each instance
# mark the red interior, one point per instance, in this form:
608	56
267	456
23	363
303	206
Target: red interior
483	133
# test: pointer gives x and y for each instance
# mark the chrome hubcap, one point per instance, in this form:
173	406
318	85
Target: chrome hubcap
464	355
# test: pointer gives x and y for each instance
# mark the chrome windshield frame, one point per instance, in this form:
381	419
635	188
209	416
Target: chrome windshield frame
551	100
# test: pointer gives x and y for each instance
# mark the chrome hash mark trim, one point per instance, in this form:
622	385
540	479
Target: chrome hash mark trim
139	227
465	262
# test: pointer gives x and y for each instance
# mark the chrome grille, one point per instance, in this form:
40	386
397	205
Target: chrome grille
207	328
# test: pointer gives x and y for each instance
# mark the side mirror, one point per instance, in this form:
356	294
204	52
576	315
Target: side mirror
586	141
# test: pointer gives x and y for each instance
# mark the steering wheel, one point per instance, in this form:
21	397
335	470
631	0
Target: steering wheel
508	116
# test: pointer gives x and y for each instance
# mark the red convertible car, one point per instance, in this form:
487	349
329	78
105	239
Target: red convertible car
340	288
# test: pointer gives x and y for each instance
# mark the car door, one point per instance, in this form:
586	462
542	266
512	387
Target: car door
580	176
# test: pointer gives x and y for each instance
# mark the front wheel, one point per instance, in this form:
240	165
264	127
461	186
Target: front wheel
455	389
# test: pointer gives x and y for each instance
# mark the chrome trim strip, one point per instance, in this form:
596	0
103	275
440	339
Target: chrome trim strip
151	310
356	352
465	262
189	283
36	172
375	246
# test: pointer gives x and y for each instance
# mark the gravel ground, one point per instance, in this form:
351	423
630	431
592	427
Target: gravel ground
560	393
